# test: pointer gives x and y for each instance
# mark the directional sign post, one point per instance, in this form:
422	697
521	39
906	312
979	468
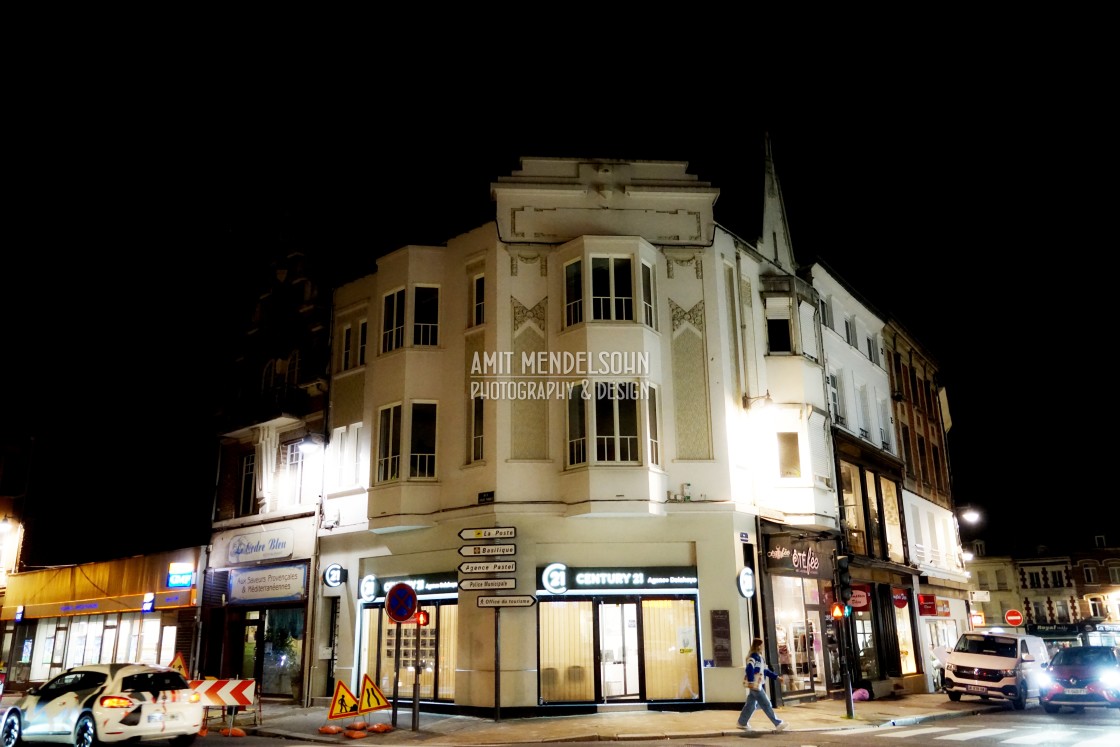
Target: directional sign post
488	533
474	550
512	600
480	584
493	566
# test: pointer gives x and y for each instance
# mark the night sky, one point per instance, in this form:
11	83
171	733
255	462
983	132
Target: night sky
138	246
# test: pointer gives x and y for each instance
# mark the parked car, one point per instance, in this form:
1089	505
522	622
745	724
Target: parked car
995	665
1081	676
106	703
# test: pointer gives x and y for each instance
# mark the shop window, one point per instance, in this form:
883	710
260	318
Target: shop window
851	491
430	650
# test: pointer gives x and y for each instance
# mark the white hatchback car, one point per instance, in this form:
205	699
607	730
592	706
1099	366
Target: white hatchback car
106	703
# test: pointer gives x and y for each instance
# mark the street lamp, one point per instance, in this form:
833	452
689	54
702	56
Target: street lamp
763	400
970	514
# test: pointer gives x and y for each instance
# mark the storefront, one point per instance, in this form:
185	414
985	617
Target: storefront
605	634
140	609
254	607
798	582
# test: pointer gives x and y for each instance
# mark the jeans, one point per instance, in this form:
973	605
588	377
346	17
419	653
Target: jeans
757	699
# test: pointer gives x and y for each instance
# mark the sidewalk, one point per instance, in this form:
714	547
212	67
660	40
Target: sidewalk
293	722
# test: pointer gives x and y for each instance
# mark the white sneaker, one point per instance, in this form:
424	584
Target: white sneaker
744	727
780	726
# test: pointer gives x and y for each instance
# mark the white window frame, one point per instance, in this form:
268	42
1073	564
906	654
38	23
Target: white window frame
392	320
478	300
576	422
422	464
389	443
573	304
613	306
649	295
616	447
363	334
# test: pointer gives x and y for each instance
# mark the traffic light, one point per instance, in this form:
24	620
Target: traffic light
421	617
843	579
839	610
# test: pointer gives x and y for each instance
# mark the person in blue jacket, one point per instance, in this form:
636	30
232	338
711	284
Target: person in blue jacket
753	680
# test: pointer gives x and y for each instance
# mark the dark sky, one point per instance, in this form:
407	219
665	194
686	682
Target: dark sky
136	242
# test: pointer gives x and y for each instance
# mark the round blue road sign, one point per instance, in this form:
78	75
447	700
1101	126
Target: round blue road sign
400	602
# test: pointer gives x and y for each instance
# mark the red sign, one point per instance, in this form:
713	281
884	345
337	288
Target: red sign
1013	617
861	597
899	597
927	604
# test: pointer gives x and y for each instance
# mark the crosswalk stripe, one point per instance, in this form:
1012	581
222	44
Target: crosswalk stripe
1037	737
907	733
976	734
1108	740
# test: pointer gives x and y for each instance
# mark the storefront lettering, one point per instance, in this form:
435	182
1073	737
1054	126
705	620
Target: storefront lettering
803	560
244	548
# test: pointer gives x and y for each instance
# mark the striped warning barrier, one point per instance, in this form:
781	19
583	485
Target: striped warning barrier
222	694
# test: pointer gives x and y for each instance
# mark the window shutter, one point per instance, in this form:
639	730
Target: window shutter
808	331
818	445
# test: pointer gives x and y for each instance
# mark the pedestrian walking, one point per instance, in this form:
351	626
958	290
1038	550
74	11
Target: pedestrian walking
754	681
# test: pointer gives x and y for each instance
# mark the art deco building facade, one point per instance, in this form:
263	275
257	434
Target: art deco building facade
593	437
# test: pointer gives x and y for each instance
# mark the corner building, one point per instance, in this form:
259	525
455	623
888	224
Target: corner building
562	430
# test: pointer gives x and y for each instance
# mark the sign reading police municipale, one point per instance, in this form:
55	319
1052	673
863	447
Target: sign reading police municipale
277	583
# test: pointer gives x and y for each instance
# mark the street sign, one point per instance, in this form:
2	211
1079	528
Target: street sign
400	602
513	600
1013	617
489	566
487	533
480	584
472	550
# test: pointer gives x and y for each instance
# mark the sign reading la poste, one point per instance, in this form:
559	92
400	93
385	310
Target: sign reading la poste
560	375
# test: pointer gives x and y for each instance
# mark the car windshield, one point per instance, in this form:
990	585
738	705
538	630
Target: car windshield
1078	656
982	644
154	682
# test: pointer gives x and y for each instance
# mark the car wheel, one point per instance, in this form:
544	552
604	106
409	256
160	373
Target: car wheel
1051	708
1020	701
11	731
85	733
183	740
954	696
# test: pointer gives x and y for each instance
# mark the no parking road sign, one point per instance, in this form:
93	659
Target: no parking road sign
400	602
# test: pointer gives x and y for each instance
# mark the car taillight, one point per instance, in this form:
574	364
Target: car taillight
116	701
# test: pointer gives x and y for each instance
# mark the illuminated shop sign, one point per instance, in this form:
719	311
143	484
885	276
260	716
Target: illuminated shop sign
432	583
558	578
180	575
785	553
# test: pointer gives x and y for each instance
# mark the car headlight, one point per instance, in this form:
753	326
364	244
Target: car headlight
1044	679
950	667
1111	678
1004	673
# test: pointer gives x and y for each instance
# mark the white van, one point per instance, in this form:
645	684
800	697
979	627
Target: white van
995	665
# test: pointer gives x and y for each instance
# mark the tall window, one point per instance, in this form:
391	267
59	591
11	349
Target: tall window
826	313
937	467
347	335
293	462
654	438
362	342
392	322
850	331
616	422
1057	579
389	444
476	443
832	381
577	428
779	336
789	455
247	500
422	447
573	293
612	288
649	298
1114	574
478	300
907	456
851	492
425	324
1090	575
922	460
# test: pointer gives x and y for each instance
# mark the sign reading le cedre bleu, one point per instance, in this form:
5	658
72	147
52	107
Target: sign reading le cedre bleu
789	554
248	548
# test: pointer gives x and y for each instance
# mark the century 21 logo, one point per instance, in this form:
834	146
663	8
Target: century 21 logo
555	578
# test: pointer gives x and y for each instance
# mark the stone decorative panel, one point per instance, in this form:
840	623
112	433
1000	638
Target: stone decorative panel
529	417
527	259
523	314
690	390
693	316
672	262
